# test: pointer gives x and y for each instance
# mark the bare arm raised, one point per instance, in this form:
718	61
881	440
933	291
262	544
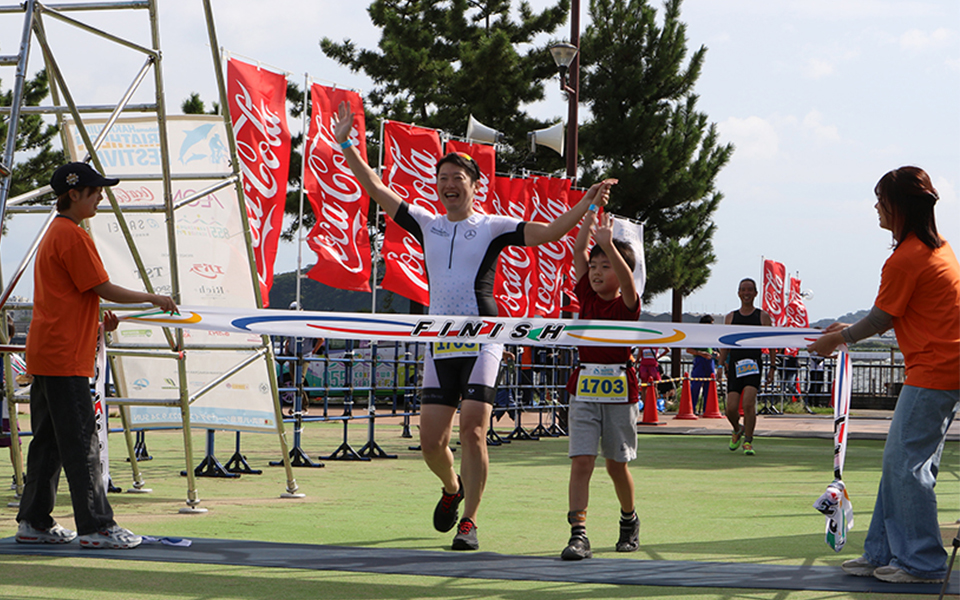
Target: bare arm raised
603	234
381	194
535	234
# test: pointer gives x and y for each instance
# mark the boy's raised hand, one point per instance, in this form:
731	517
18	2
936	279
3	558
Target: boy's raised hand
603	231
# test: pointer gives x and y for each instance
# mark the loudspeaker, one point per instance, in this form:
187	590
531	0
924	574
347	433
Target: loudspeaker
551	137
478	132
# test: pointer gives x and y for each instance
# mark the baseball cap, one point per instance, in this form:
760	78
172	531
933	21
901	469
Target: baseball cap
77	174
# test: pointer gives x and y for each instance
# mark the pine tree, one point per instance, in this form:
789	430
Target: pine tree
34	140
439	61
646	131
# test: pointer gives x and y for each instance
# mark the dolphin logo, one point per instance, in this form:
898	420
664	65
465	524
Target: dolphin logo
193	138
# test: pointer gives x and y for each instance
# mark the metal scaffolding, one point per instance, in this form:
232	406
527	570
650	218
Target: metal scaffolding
64	104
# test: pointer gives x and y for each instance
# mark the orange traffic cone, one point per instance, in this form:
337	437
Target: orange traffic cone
712	409
650	416
686	402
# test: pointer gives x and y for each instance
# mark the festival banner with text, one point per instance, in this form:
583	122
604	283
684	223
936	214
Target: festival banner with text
409	170
339	237
257	103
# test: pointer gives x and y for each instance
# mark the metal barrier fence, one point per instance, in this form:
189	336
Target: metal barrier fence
340	378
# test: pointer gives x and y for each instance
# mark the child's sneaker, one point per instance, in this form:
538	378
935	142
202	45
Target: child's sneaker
748	449
111	537
629	535
578	548
466	538
27	534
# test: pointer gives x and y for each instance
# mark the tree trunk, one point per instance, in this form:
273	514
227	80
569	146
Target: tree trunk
677	317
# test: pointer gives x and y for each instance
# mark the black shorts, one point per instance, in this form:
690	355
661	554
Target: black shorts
736	384
446	381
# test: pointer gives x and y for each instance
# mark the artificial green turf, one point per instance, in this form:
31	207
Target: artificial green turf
697	502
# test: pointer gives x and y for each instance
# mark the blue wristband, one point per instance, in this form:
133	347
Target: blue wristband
346	144
593	208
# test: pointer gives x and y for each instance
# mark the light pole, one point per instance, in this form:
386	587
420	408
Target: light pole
567	57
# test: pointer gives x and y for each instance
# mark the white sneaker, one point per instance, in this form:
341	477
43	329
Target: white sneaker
859	567
112	537
893	574
27	534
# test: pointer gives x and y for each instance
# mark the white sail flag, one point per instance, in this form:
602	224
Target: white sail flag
504	330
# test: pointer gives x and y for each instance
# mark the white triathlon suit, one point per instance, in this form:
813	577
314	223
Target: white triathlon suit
461	262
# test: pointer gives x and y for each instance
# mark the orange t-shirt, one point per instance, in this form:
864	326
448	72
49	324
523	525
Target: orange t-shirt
62	340
920	288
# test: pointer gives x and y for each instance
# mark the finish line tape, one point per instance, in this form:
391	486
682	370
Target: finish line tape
469	329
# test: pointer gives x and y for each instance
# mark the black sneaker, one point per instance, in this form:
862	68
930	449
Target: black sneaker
466	538
629	536
445	514
578	548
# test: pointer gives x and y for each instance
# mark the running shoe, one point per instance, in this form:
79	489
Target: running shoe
445	514
578	548
892	574
859	567
466	538
748	449
736	439
111	537
28	534
629	535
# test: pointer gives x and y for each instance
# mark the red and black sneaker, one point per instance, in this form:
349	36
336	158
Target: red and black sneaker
466	538
445	514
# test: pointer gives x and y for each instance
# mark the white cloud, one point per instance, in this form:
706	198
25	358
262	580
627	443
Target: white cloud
754	137
817	68
918	41
813	123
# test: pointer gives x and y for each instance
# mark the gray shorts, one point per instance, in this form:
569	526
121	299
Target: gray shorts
610	427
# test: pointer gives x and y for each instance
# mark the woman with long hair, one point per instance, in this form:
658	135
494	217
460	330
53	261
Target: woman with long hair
920	298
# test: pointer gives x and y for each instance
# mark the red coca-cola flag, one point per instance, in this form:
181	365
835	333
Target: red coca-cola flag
486	158
553	258
257	104
795	313
340	205
409	169
774	278
570	277
516	270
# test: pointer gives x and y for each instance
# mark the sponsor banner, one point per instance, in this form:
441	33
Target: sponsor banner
340	205
409	170
553	258
435	328
795	312
570	277
774	278
486	158
516	268
257	103
214	268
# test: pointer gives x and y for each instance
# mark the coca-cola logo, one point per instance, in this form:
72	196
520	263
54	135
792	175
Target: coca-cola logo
141	194
773	293
341	220
259	132
207	270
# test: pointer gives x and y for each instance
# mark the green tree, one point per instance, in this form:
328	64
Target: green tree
34	140
195	106
439	61
647	132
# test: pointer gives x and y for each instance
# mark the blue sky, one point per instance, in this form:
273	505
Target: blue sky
820	98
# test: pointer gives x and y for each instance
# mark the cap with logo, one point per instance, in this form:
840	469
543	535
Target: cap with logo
75	175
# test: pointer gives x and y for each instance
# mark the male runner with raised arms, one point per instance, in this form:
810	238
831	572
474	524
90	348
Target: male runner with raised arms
460	249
